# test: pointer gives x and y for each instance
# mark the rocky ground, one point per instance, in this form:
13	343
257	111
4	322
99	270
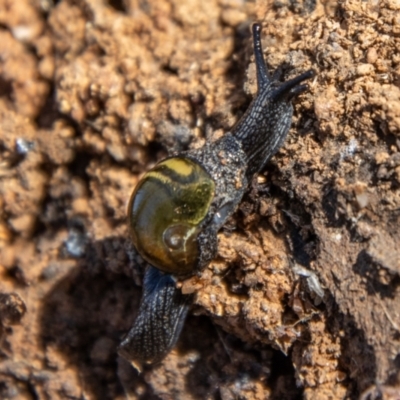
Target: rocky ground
303	298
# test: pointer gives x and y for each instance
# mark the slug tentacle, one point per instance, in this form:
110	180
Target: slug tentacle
263	78
289	89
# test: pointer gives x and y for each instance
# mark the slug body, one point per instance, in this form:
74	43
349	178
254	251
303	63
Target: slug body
178	207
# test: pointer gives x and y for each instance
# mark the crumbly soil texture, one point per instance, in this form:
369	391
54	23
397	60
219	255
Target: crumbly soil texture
303	299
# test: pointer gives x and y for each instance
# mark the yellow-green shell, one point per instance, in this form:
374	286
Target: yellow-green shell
165	212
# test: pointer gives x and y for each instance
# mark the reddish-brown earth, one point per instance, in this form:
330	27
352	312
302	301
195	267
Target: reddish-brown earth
94	92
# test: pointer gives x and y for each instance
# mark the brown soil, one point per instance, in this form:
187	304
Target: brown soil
303	299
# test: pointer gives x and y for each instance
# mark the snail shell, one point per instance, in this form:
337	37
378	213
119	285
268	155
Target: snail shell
166	212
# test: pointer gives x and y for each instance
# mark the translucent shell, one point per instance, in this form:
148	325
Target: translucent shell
166	211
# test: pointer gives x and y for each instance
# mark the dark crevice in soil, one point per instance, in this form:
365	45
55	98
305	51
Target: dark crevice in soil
330	207
302	250
79	166
234	280
49	112
282	379
6	89
367	268
384	134
357	356
118	5
298	225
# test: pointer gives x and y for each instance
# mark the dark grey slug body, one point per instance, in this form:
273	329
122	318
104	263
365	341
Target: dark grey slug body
231	162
